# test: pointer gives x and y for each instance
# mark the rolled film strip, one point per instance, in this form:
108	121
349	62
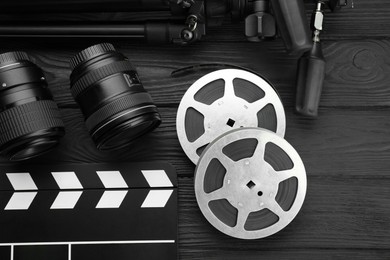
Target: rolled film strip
88	211
224	100
250	183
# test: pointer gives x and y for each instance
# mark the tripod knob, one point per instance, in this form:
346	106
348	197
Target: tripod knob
260	24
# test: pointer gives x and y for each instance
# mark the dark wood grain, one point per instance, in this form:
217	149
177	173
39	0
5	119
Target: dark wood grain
288	254
346	151
355	73
338	213
341	142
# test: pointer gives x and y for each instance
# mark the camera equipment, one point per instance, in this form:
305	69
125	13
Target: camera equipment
224	100
116	107
30	122
250	183
311	66
186	21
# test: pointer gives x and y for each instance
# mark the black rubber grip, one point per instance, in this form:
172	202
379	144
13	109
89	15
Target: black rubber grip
98	74
292	25
310	79
89	53
121	104
28	118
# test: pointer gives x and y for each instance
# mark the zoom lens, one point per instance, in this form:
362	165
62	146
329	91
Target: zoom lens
116	107
30	122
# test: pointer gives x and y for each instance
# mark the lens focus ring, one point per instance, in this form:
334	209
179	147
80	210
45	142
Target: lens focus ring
90	53
98	74
13	57
28	118
119	105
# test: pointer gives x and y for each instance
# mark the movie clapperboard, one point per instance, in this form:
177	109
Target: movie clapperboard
88	211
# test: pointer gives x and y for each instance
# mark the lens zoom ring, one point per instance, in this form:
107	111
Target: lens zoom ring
90	53
27	118
116	106
98	74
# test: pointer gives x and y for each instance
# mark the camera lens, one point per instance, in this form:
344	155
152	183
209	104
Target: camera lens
116	107
30	122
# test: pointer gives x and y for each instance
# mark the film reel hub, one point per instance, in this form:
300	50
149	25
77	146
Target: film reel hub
250	183
226	114
224	100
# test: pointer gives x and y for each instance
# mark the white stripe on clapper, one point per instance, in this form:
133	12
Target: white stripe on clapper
20	201
66	200
157	178
112	179
157	199
69	244
21	181
111	199
12	252
67	180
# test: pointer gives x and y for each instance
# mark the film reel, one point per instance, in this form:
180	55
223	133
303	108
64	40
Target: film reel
250	183
224	100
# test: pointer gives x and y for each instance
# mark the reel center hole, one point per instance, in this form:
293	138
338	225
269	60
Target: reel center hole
231	122
250	185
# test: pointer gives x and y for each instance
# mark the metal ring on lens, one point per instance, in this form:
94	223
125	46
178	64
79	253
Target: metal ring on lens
250	183
224	100
123	104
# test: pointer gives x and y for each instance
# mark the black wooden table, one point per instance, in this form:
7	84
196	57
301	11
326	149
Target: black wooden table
346	151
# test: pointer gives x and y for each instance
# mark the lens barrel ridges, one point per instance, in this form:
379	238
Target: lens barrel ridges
13	56
90	52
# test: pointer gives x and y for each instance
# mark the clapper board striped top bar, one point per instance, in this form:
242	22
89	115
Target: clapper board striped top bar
88	211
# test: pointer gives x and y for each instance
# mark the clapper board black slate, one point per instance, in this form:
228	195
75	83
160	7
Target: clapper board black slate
88	211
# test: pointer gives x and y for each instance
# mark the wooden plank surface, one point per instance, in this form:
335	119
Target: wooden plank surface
355	73
346	151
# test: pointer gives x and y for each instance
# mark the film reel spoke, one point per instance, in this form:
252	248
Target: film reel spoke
274	206
285	175
229	86
242	217
202	108
221	193
225	161
258	155
201	141
261	103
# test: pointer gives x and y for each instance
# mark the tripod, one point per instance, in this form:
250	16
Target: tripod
186	21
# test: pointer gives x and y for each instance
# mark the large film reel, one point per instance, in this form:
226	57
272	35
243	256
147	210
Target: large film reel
250	183
224	100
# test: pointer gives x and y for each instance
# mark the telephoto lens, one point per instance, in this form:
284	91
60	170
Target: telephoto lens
116	107
30	122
